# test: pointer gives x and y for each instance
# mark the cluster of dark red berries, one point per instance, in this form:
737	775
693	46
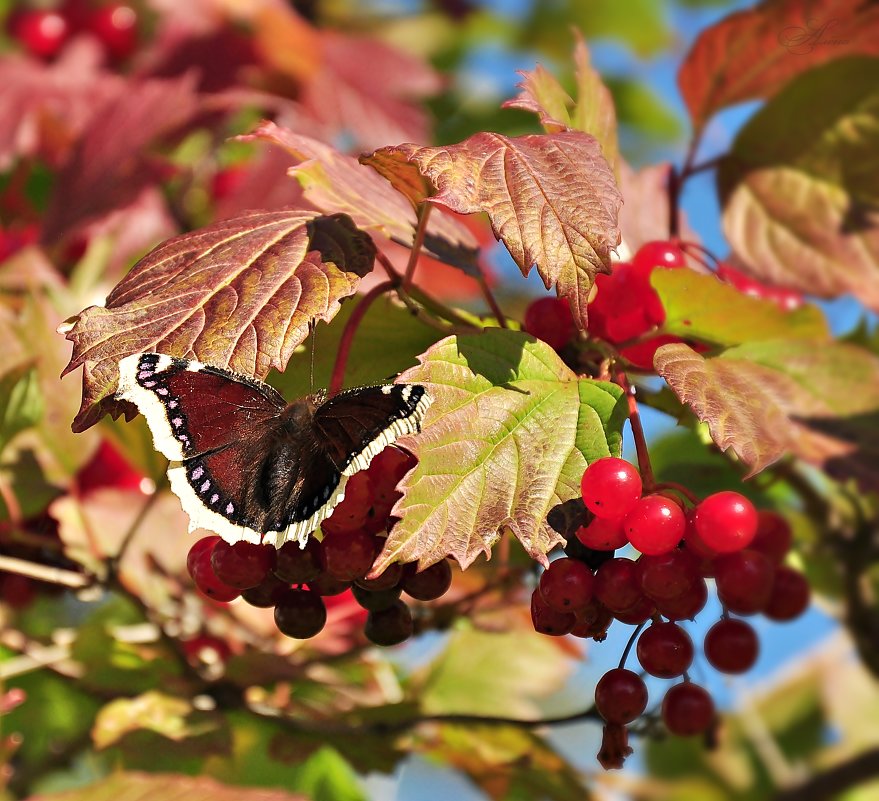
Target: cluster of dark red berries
43	32
625	307
723	537
295	581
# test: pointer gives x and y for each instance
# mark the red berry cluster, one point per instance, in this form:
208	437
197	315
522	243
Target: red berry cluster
786	299
43	32
722	537
296	581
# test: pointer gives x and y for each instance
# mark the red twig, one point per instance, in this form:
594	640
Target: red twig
491	300
685	491
637	432
338	377
417	244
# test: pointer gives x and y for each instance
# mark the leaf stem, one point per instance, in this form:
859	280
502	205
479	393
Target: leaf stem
417	244
13	508
644	466
338	377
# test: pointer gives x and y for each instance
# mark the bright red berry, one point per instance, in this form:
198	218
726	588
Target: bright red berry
566	585
773	537
617	584
546	620
610	487
242	565
726	521
655	525
603	534
620	696
625	305
43	33
687	709
659	253
665	650
198	562
550	319
200	551
790	595
731	646
744	581
115	26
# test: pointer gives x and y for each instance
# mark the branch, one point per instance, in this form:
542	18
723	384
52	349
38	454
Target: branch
51	575
417	244
833	783
637	432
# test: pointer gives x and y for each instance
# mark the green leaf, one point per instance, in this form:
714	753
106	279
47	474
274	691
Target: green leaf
463	679
21	402
800	186
131	786
766	399
510	431
701	307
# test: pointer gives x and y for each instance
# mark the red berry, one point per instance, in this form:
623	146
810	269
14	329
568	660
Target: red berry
389	466
389	626
350	515
266	594
790	595
625	304
430	584
376	600
550	319
325	585
698	548
620	696
786	299
726	521
773	537
602	534
198	562
347	555
108	468
566	585
686	605
669	574
593	621
43	33
655	525
546	620
242	565
391	577
639	612
206	650
610	487
227	181
665	650
300	614
617	585
296	565
687	709
731	646
744	581
641	354
659	253
115	26
17	591
200	551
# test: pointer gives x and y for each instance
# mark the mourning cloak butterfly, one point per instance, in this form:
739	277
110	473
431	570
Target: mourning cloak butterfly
250	466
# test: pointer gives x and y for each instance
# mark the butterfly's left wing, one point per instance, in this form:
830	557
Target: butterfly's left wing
358	423
209	423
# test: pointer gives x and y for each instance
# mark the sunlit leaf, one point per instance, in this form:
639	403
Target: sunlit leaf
551	198
763	400
700	306
239	294
800	185
507	438
752	53
21	403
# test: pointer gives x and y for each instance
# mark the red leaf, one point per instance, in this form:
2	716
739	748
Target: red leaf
751	54
237	294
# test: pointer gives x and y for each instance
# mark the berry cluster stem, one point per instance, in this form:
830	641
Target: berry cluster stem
644	466
417	244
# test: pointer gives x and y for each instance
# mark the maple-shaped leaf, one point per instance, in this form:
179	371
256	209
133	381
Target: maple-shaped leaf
766	399
239	293
800	185
336	183
753	53
507	438
110	164
551	198
593	112
702	307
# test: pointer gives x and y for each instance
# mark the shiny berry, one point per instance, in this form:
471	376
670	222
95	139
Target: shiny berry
115	26
347	555
726	521
566	585
546	620
550	319
610	487
659	253
665	650
620	696
242	565
669	574
655	525
731	646
687	709
617	584
602	534
43	33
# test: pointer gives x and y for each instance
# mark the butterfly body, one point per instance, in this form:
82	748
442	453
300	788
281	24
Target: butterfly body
250	466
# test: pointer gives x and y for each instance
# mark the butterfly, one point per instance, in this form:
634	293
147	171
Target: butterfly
250	466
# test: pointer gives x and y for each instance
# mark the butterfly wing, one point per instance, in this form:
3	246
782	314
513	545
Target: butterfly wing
358	423
206	421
